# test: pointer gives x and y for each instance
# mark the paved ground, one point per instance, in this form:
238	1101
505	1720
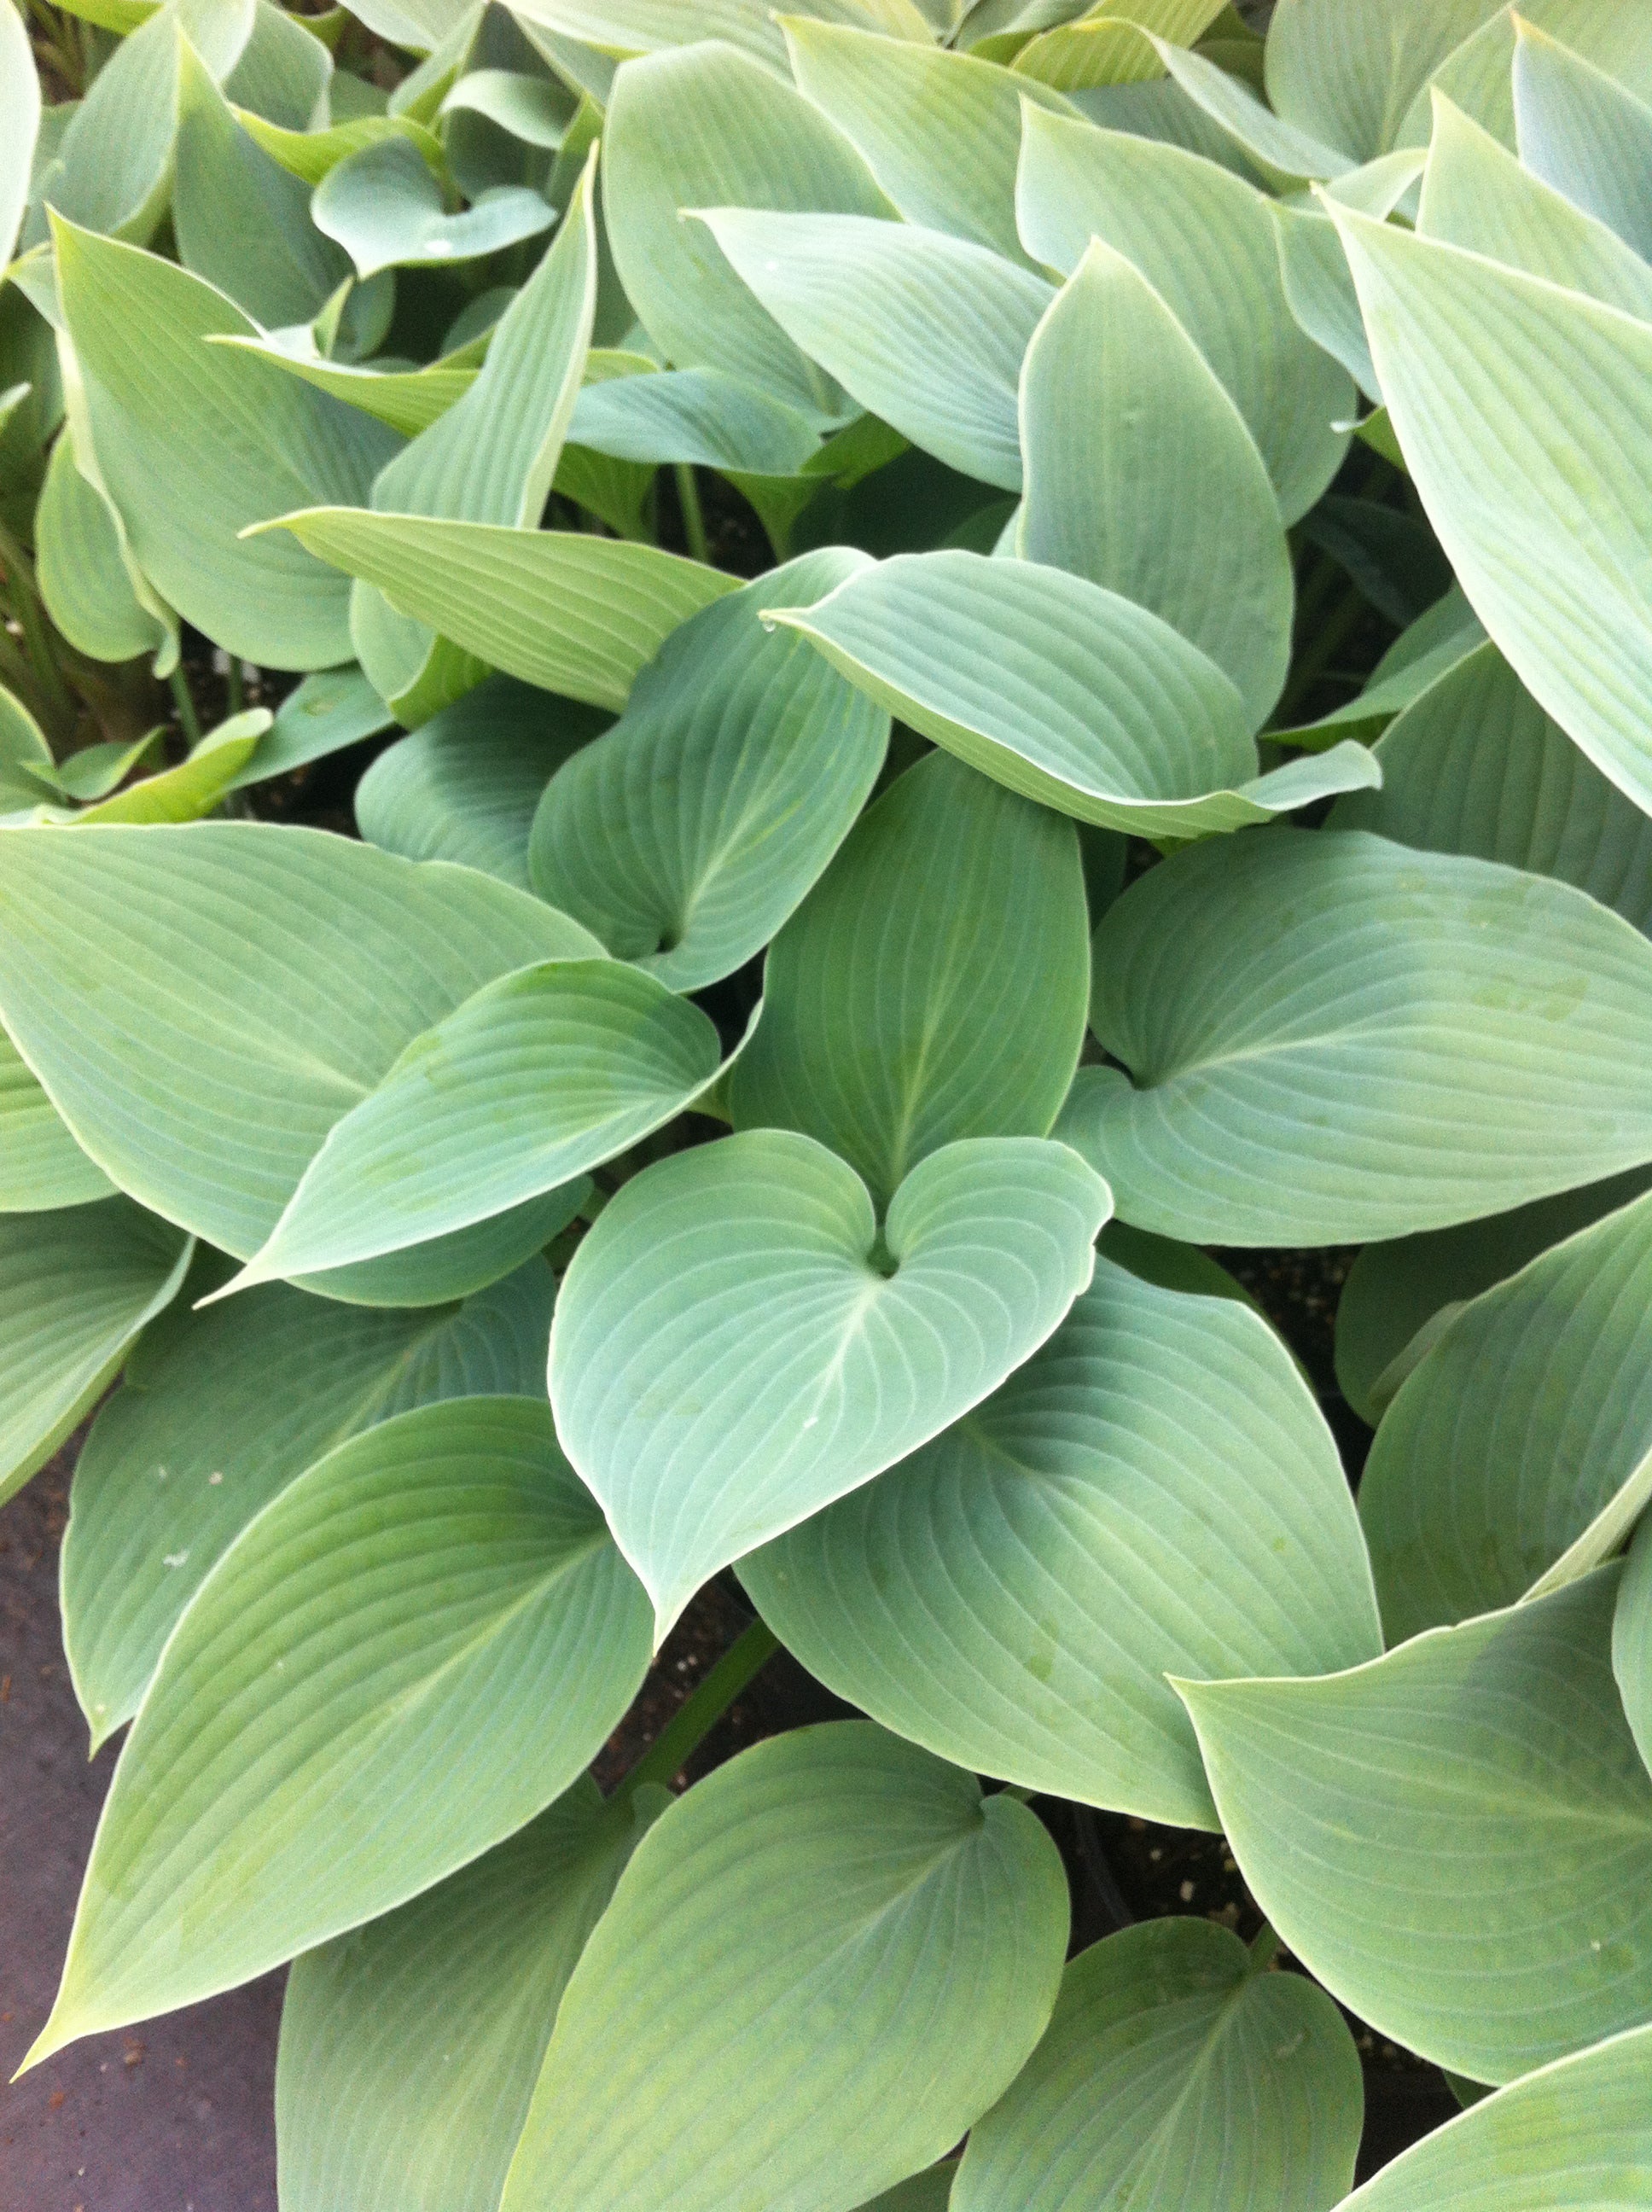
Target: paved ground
175	2116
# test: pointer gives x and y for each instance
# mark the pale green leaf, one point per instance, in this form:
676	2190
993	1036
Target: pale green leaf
1455	1839
1107	45
1282	155
201	1047
1174	2073
410	2048
25	756
194	786
464	784
84	582
1202	238
707	126
41	1166
19	120
1154	1492
567	611
1425	650
326	712
76	1287
1141	475
685	837
1577	2134
439	1595
768	1984
931	987
1581	131
387	210
646	26
1479	77
1320	292
536	109
927	331
1349	78
1631	1633
1320	1028
1064	692
194	442
1478	362
284	71
309	155
407	400
539	1076
113	169
220	1415
695	415
737	1343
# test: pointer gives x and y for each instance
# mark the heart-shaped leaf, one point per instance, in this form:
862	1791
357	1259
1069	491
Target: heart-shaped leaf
215	1417
1153	1493
1374	1813
1064	692
438	1593
1321	1027
387	210
768	1976
1175	2070
686	835
815	1350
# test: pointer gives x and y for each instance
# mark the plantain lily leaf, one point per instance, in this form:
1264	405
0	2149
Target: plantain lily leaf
465	786
752	759
929	2191
1399	1295
560	609
695	415
927	331
1282	153
84	582
326	713
410	2048
387	210
76	1287
284	71
1102	48
1374	1813
940	131
1575	2132
812	1355
1476	766
539	1076
235	1025
1574	621
705	126
1282	1091
1175	2070
1154	1492
534	109
1632	1637
1064	692
1423	652
1518	1453
309	155
404	400
1140	475
41	1166
1163	207
1351	81
960	1015
439	1590
220	1415
20	122
194	442
767	1970
1581	131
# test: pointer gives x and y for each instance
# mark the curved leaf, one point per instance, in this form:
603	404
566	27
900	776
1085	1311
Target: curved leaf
328	711
19	109
1457	1838
41	1166
685	837
83	581
385	208
1320	1027
767	1977
1154	1492
437	1596
696	415
1175	2072
731	1351
1583	132
1350	79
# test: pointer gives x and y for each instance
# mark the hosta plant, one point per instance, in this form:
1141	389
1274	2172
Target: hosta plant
732	743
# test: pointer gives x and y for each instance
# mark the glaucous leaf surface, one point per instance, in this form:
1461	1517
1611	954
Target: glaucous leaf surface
1153	1493
387	210
219	1413
1519	1451
1282	153
1375	1813
439	1596
1063	691
1476	766
1318	1028
1140	474
197	441
83	580
41	1166
20	114
1574	2133
562	608
707	126
932	985
1168	211
76	1287
1174	2074
1479	76
410	2048
1350	77
1575	619
202	1054
697	414
768	1981
1583	132
684	837
1632	1640
925	331
328	711
766	1347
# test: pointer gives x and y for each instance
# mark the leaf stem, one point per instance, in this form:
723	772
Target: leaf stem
694	520
1264	1950
236	690
182	698
702	1709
